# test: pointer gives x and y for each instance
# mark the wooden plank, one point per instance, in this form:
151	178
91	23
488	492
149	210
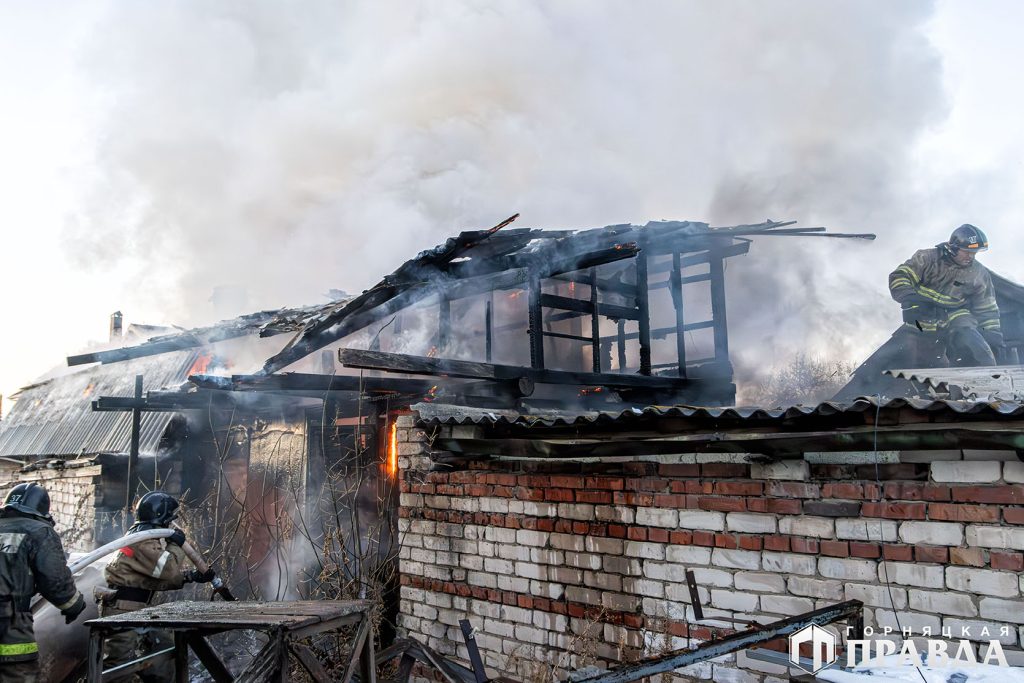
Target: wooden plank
703	257
298	381
265	664
644	313
240	614
595	322
133	450
422	365
94	673
565	303
721	329
180	657
676	280
536	324
209	658
309	662
367	660
662	332
362	635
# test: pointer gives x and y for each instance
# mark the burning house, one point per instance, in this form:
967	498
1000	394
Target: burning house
533	430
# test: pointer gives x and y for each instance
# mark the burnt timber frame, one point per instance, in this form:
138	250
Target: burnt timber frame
284	623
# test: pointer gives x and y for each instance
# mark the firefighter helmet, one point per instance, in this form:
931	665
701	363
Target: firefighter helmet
31	499
968	237
156	508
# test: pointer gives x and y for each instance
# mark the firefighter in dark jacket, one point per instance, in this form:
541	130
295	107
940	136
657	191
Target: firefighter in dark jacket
31	561
949	303
135	577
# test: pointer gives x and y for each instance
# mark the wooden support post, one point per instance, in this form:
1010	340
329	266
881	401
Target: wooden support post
489	327
536	324
133	452
367	659
643	309
621	344
444	324
721	329
595	323
180	657
95	664
676	288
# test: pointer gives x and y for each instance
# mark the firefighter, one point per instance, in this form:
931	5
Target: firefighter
136	575
949	303
31	561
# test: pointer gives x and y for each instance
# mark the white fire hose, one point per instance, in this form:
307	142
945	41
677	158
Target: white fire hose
137	537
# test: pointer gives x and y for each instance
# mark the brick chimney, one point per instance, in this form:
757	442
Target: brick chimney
115	325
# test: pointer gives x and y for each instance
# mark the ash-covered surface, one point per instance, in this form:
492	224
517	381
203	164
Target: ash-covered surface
255	615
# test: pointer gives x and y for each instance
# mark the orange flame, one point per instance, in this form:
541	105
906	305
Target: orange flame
201	365
391	465
88	390
432	353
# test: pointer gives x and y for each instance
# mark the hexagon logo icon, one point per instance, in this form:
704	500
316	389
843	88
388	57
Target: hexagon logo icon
823	648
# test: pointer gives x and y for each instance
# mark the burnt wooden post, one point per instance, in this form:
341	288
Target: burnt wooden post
95	663
676	288
180	657
536	317
444	323
595	323
133	451
721	330
489	327
644	312
620	346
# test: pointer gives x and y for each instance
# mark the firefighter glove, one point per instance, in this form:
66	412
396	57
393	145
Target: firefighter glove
177	538
196	576
77	607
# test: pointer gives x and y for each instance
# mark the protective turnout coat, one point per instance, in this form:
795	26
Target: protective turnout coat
31	561
937	294
153	565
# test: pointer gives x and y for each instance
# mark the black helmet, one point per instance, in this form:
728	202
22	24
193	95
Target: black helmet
156	508
968	237
31	499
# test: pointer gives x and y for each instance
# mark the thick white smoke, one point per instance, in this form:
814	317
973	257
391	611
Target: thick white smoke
293	147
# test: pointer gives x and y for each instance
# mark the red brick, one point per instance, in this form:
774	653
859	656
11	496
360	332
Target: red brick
724	469
804	545
1012	561
849	491
1005	494
523	493
501	479
904	490
503	491
866	550
747	542
725	541
832	508
968	557
525	601
739	488
679	470
559	495
757	504
722	504
785	506
617	530
930	553
793	489
894	510
936	492
545	525
637	533
952	512
657	535
893	471
898	552
680	537
566	481
705	538
599	497
610	483
1014	515
581	528
669	500
777	543
692	486
835	548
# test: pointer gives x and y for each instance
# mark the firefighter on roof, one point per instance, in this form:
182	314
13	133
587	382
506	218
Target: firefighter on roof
31	561
135	576
948	300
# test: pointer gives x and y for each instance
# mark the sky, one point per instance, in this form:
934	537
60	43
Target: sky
152	152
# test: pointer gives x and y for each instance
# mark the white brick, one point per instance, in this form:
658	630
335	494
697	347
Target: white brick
815	588
535	509
662	571
1013	472
819	527
981	631
604	546
932	533
736	559
793	470
763	583
877	596
614	513
995	537
1009	611
712	577
528	570
751	523
654	589
578	511
923	576
568	542
789	563
853	570
915	621
955	604
494	566
583	561
859	529
662	517
733	600
785	605
498	535
688	554
699	519
648	551
499	505
986	582
961	472
534	538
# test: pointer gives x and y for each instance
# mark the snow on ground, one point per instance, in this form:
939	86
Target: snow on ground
891	672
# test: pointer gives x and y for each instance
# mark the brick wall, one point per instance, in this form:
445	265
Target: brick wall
72	501
559	566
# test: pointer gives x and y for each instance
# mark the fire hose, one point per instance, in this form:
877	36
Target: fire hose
131	539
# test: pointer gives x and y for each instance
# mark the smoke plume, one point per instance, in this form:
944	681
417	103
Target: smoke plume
288	148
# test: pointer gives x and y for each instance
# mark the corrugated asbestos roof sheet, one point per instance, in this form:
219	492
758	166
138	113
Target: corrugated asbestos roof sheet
433	413
998	383
56	417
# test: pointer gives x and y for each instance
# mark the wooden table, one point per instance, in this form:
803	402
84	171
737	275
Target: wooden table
285	623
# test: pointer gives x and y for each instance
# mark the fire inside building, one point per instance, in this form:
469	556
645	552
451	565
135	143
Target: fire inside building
518	456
